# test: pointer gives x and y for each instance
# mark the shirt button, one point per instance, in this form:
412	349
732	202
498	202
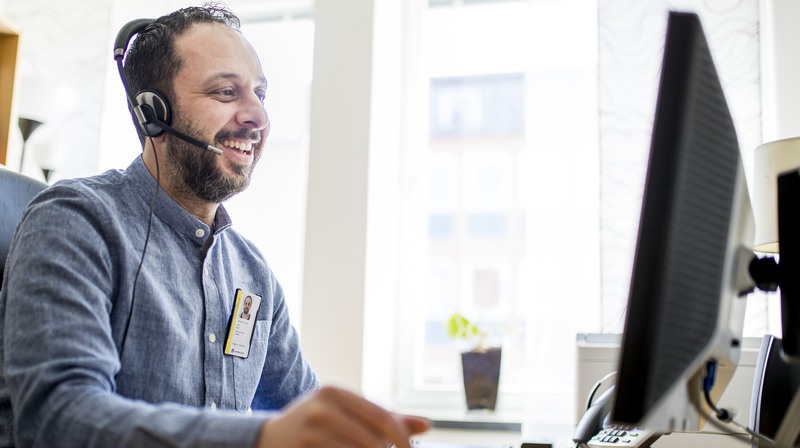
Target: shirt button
199	233
205	271
213	406
212	337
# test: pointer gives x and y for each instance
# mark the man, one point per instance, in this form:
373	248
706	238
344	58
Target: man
248	302
117	296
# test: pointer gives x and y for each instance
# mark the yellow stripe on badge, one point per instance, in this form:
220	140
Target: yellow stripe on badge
234	317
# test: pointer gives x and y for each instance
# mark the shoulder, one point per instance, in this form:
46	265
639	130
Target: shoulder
86	209
70	223
86	188
67	199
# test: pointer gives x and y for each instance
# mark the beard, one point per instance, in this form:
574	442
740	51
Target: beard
196	171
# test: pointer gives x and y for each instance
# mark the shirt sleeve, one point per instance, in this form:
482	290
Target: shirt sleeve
59	359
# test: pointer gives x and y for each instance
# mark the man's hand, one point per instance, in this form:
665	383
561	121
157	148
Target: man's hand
333	417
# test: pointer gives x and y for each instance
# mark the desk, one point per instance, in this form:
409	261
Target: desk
471	437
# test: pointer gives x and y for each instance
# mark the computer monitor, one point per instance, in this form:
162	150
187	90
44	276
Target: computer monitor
696	230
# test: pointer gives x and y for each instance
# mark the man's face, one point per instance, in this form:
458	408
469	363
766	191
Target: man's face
247	303
219	100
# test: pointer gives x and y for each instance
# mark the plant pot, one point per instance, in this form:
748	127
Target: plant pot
481	377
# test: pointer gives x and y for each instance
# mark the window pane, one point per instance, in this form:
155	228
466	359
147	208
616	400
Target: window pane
476	135
474	106
511	137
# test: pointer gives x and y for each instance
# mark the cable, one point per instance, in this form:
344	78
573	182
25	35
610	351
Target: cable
724	417
596	387
144	251
708	384
764	441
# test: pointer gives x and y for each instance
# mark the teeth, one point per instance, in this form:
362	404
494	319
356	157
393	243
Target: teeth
244	147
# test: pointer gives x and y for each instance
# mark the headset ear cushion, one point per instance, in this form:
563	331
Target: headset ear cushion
153	104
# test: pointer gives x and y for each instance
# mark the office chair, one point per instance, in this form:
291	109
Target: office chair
774	385
16	191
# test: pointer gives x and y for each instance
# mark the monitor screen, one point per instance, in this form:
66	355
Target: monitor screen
695	233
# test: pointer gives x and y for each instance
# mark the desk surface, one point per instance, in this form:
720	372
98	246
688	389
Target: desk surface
465	438
451	445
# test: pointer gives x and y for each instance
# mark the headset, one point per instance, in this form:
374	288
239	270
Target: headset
150	109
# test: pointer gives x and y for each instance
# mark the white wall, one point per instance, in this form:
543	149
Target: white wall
780	69
63	53
353	154
336	218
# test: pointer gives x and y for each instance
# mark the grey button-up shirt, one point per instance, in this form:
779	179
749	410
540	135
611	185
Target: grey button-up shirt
68	295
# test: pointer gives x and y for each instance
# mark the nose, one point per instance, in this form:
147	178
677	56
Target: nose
252	114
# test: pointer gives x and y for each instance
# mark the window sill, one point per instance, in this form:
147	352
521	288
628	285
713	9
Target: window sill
477	424
451	438
470	420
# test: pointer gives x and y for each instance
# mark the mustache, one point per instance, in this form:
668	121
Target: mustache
241	133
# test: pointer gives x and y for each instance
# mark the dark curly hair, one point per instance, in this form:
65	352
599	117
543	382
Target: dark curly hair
151	62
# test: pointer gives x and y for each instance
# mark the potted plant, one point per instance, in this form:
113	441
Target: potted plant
480	364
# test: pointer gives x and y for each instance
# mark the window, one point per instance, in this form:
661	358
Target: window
475	225
477	106
508	182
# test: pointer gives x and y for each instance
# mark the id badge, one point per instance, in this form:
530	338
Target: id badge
243	324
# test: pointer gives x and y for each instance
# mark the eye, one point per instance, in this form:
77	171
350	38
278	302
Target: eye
225	93
261	94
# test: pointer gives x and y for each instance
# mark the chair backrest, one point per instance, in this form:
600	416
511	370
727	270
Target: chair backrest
775	383
16	191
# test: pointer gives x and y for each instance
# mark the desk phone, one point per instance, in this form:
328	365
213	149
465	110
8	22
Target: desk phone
622	436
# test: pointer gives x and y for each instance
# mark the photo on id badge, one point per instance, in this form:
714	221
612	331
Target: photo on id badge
243	323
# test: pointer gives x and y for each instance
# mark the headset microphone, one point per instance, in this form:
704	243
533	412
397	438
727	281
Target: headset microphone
150	109
151	120
172	131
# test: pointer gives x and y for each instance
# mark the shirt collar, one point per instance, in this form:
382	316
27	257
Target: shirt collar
170	211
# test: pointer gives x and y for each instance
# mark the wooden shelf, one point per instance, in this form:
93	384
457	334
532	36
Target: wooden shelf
9	43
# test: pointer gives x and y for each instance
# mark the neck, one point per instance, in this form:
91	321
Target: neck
203	210
200	209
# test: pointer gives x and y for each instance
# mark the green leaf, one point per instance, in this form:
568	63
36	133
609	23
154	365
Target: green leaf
459	327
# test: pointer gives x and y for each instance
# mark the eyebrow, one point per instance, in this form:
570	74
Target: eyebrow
231	76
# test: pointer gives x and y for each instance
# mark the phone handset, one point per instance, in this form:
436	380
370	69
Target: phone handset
595	429
593	420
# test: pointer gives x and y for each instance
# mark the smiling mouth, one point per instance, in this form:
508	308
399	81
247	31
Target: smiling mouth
245	147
